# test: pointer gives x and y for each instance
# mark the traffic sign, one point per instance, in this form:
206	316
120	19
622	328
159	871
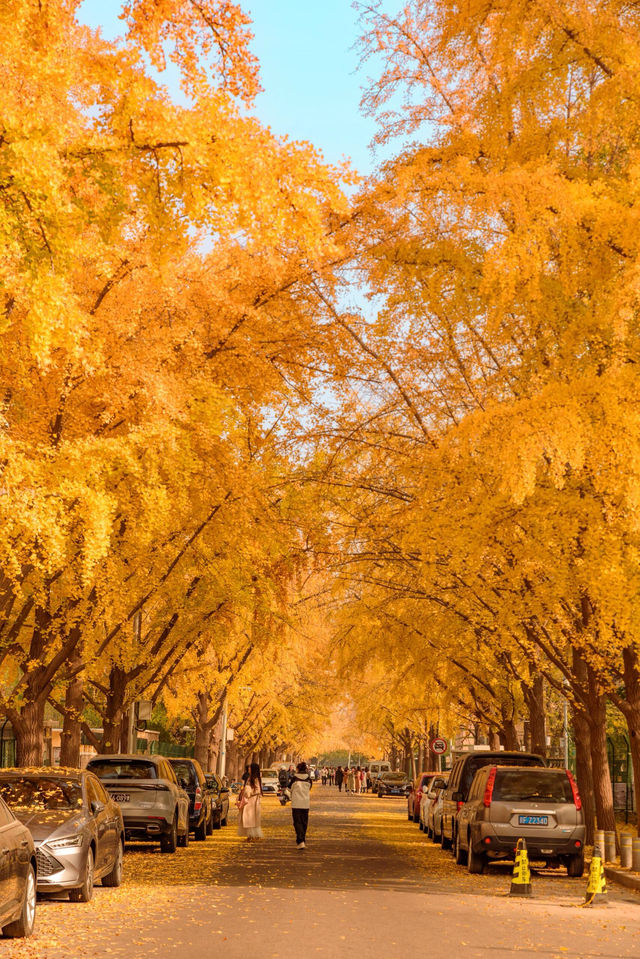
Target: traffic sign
439	745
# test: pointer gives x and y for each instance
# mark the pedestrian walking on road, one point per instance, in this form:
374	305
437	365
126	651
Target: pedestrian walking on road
299	790
339	778
249	818
351	780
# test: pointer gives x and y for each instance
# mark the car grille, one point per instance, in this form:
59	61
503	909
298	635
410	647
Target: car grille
47	864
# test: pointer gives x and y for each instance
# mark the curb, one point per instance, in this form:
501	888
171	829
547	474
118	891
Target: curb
623	877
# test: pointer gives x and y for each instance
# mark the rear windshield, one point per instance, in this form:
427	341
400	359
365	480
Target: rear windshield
39	794
394	777
122	769
523	785
473	765
184	771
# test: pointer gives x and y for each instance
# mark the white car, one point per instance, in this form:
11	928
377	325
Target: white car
270	782
430	809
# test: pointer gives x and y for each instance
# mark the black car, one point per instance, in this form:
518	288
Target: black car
18	871
192	779
219	800
462	772
393	784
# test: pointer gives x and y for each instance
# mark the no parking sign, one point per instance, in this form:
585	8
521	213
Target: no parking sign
439	745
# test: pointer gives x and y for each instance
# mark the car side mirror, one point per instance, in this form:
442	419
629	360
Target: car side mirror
96	806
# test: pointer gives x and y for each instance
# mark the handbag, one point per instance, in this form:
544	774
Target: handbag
242	801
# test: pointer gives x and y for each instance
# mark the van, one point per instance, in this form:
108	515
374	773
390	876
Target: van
377	767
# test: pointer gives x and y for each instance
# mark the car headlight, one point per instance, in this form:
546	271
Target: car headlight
66	842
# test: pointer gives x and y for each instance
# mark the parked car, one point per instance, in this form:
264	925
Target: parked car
154	807
461	777
377	768
431	806
507	803
18	872
270	782
419	785
191	777
76	827
219	800
393	784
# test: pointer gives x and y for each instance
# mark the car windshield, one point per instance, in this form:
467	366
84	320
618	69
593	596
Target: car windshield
38	794
393	777
123	769
523	785
269	774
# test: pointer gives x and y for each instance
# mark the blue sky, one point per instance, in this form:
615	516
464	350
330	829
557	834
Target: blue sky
308	69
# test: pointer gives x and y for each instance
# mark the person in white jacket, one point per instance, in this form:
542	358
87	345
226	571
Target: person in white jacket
298	791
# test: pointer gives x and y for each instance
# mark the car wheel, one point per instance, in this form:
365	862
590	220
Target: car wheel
114	878
476	861
460	854
444	842
575	865
169	843
429	831
223	822
200	832
183	841
23	925
210	823
84	893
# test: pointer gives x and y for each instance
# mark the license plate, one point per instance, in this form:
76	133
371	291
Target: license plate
533	820
121	797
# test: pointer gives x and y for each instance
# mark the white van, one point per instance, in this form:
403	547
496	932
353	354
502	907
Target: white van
377	767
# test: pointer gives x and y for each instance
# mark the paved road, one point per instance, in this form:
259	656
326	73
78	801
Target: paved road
368	884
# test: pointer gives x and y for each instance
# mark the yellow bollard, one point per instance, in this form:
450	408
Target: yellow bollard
521	878
597	884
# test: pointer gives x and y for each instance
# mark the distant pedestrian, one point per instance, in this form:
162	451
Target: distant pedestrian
351	780
339	778
250	818
299	790
324	776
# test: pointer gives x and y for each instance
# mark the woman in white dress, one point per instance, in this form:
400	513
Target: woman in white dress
249	818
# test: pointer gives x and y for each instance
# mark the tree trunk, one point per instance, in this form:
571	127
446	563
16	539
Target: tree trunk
72	716
203	729
602	788
534	698
29	733
494	739
71	727
631	710
509	734
114	724
584	772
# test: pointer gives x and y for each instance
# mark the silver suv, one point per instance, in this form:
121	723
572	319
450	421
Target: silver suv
154	807
507	803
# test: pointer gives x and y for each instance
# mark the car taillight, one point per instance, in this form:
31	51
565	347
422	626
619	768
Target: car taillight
488	789
574	790
198	800
459	805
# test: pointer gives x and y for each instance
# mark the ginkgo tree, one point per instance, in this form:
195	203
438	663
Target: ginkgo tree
154	262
